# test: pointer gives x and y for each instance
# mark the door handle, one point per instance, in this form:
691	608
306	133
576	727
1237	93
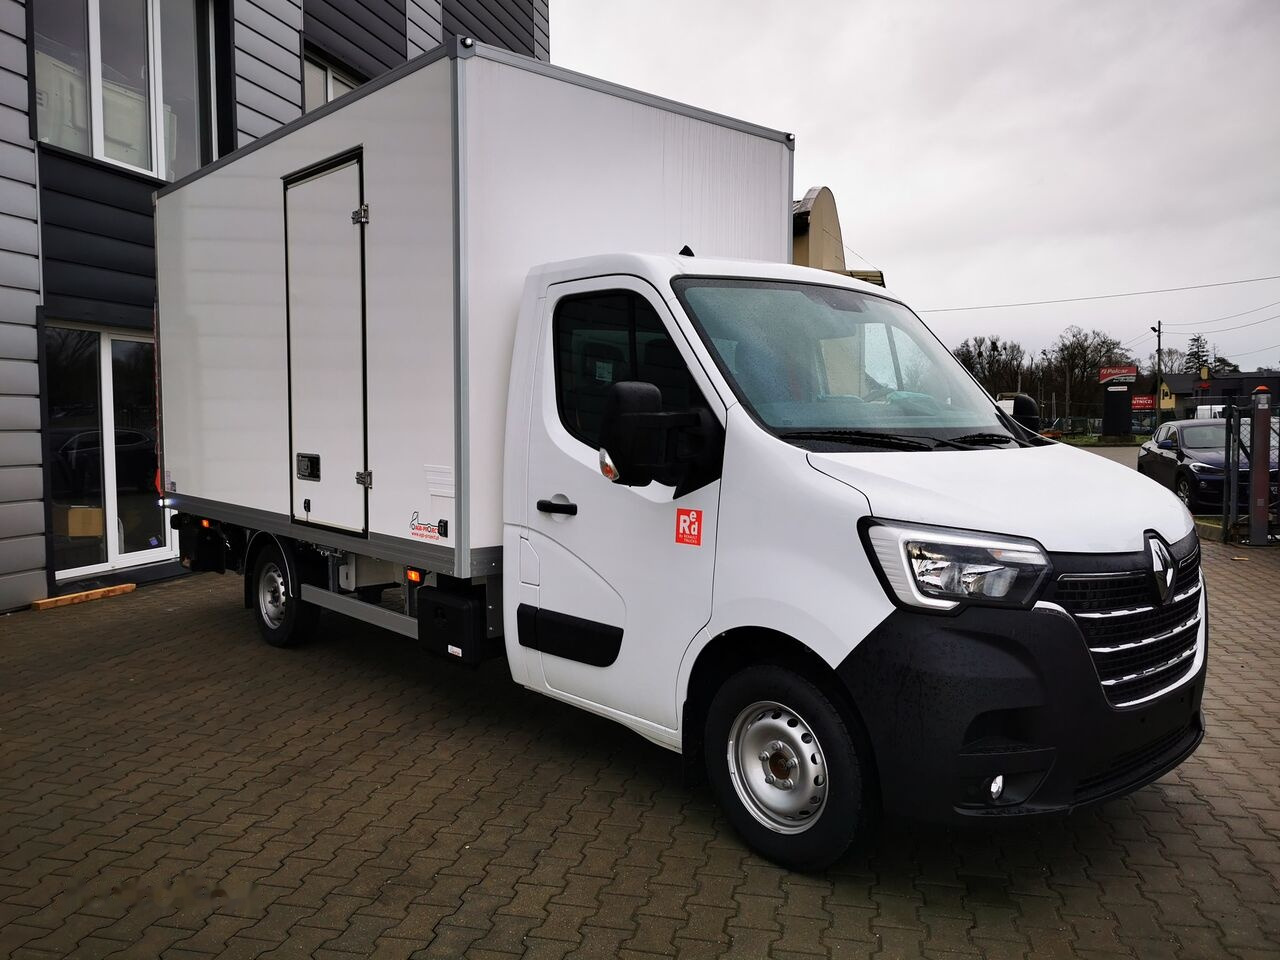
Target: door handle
554	506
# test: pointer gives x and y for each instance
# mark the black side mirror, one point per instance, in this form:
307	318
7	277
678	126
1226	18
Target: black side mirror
1026	412
638	442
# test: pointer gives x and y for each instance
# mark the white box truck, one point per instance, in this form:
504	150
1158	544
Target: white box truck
756	513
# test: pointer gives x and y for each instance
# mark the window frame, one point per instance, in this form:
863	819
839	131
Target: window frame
116	559
697	376
206	74
555	347
330	70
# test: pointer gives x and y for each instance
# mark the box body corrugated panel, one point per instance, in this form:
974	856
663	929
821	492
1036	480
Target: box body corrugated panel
555	170
221	267
544	165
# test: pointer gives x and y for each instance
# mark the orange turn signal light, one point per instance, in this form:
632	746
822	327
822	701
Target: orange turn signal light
413	576
205	524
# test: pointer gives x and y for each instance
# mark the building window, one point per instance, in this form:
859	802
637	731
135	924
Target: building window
127	81
322	82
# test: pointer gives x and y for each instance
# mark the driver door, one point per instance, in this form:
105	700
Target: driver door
1166	463
623	574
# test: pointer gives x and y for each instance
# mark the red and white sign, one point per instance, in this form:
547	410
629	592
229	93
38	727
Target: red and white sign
1143	402
1117	374
689	527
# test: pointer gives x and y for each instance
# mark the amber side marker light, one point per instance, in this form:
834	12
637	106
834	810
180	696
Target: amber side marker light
413	576
205	524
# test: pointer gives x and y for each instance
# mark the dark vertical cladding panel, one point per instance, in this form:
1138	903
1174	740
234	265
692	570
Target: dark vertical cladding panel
368	36
97	242
425	30
22	514
265	42
503	23
541	30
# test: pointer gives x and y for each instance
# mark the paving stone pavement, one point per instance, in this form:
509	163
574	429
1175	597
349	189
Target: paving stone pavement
170	786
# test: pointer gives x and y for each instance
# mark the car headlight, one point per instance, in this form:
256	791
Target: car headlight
938	568
1203	468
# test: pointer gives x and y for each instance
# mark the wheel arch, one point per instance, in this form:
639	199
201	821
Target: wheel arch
258	541
746	646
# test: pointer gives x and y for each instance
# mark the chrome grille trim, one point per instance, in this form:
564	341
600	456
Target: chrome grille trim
1189	652
1142	647
1104	614
1191	622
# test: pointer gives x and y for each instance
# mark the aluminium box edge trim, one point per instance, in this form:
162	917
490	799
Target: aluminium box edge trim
461	357
454	50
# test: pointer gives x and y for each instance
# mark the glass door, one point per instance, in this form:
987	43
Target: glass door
102	432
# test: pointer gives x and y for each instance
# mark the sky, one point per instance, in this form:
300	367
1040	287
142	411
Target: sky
989	152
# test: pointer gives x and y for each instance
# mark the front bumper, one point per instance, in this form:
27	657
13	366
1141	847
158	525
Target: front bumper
1206	490
952	702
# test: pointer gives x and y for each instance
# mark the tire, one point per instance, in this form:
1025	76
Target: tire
768	727
284	621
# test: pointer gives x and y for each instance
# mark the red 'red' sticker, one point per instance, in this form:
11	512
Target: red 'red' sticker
689	527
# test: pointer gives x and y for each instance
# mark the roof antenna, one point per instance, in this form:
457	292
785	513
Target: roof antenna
685	251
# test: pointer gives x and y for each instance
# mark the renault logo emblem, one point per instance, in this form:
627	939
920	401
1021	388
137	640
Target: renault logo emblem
1162	567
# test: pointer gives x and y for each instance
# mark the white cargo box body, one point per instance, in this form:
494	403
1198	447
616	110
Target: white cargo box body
296	340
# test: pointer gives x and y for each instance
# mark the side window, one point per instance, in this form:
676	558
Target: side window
603	338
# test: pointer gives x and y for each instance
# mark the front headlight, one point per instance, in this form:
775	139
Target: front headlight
938	568
1204	468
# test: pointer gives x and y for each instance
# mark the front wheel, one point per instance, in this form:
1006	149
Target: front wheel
284	620
786	768
1183	491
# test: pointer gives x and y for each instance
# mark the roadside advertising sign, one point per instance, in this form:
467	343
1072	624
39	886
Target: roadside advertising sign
1117	374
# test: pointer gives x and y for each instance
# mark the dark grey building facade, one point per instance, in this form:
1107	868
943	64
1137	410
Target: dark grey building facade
101	102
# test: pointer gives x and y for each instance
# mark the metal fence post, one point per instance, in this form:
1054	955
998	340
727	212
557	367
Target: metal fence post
1229	457
1260	468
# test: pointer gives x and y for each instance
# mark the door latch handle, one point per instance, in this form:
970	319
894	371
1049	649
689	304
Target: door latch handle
554	506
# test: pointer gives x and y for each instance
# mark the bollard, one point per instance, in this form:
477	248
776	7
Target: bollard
1260	467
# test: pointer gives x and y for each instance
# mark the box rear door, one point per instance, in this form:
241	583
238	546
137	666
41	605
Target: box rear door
324	226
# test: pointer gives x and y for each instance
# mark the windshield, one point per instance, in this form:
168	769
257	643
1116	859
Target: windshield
804	357
1213	436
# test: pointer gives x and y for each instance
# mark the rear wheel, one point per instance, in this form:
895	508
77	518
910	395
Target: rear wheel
785	766
284	620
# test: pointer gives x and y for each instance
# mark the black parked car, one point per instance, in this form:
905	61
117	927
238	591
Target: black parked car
1187	456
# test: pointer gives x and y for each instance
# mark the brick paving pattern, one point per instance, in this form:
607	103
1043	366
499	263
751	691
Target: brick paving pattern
171	786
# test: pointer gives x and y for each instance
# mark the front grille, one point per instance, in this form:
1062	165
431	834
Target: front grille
1135	764
1139	643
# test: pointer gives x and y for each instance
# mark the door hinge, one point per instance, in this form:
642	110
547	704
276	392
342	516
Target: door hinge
365	478
360	214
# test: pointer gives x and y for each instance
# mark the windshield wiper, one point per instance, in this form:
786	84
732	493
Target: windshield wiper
866	438
898	441
986	439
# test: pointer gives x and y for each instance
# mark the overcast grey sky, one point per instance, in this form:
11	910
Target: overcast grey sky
986	152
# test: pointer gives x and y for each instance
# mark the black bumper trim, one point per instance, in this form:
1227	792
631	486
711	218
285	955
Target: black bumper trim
951	702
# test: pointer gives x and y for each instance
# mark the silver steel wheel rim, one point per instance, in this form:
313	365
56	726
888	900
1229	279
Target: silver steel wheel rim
777	767
272	596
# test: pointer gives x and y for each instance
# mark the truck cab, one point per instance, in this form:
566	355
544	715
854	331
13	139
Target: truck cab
762	516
